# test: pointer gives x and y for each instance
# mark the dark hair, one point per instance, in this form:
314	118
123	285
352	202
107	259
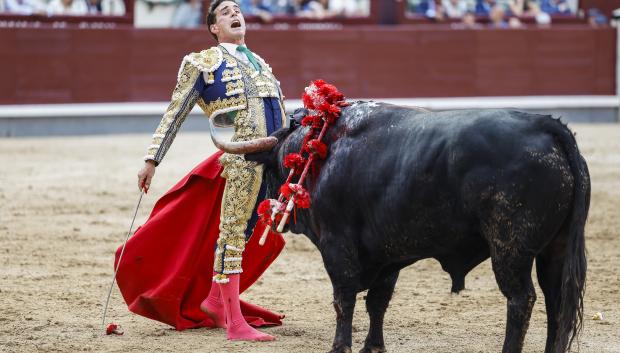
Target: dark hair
211	14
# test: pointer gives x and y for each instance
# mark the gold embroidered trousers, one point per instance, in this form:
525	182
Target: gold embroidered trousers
243	181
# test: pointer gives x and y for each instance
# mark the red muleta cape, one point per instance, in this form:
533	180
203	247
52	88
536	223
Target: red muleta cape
167	267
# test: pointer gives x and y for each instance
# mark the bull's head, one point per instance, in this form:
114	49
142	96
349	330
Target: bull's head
288	140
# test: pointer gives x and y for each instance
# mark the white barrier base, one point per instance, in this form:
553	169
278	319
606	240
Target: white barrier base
158	108
106	118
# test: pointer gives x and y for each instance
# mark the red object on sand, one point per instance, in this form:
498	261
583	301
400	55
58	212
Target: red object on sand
167	267
114	329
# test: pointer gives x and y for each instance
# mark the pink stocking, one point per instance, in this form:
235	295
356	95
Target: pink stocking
237	327
213	307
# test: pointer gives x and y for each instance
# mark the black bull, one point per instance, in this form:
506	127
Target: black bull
400	185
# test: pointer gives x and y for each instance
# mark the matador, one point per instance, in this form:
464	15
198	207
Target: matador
234	87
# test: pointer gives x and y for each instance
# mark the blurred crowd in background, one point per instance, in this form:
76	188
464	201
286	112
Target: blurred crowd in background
192	10
63	7
306	8
458	8
191	13
500	13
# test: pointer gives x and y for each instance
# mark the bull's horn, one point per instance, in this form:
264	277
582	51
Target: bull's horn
242	147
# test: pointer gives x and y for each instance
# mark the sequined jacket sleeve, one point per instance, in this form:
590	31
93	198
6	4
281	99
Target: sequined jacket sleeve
184	98
185	95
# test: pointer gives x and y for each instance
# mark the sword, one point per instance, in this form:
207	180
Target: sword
107	301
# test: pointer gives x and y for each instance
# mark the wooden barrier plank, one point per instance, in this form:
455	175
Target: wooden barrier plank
134	65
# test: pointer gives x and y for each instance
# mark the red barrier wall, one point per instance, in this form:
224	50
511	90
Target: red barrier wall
606	6
119	65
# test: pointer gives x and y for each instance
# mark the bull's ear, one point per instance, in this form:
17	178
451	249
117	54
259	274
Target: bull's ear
297	117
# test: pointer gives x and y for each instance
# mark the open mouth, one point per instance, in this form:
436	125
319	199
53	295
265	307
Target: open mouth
236	24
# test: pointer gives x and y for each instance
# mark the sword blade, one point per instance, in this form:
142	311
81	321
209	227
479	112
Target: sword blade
107	301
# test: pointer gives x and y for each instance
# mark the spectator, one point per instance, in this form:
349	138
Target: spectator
483	7
454	8
596	18
113	7
282	7
430	9
554	7
67	7
514	22
350	8
317	9
468	21
187	14
519	7
542	18
259	8
25	7
93	7
496	16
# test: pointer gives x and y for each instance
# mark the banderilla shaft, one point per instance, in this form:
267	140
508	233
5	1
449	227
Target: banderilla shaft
302	178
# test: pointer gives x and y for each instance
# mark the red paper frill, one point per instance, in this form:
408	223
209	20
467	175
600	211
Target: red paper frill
302	199
266	208
308	101
324	102
318	148
330	108
285	190
294	161
264	211
314	121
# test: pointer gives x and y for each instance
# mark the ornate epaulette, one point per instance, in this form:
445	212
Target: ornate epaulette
205	61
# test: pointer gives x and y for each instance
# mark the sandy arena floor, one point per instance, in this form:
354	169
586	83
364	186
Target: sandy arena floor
66	203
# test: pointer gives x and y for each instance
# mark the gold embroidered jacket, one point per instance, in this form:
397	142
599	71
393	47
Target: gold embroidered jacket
219	84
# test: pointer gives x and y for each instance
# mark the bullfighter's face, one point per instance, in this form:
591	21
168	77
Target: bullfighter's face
229	26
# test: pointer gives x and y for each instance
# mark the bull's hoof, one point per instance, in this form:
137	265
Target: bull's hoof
341	349
457	286
373	349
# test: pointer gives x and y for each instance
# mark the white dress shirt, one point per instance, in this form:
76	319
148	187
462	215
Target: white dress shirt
232	50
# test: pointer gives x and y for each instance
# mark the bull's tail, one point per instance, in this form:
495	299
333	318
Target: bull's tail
574	268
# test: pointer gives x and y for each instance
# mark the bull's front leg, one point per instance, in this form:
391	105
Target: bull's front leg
342	265
344	304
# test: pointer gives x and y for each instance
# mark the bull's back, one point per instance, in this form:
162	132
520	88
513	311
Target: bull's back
395	171
383	146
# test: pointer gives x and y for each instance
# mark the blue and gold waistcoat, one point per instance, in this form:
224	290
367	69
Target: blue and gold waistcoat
219	84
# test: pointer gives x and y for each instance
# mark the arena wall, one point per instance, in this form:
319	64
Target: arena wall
605	6
138	65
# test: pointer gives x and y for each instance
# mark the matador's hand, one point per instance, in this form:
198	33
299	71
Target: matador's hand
145	175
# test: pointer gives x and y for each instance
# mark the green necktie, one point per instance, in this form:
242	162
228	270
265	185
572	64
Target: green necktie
248	53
